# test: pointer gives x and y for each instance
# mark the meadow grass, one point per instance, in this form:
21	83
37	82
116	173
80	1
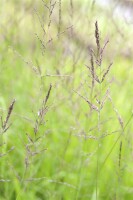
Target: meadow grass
66	110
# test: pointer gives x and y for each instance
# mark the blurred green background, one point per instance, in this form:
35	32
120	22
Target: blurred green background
76	165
